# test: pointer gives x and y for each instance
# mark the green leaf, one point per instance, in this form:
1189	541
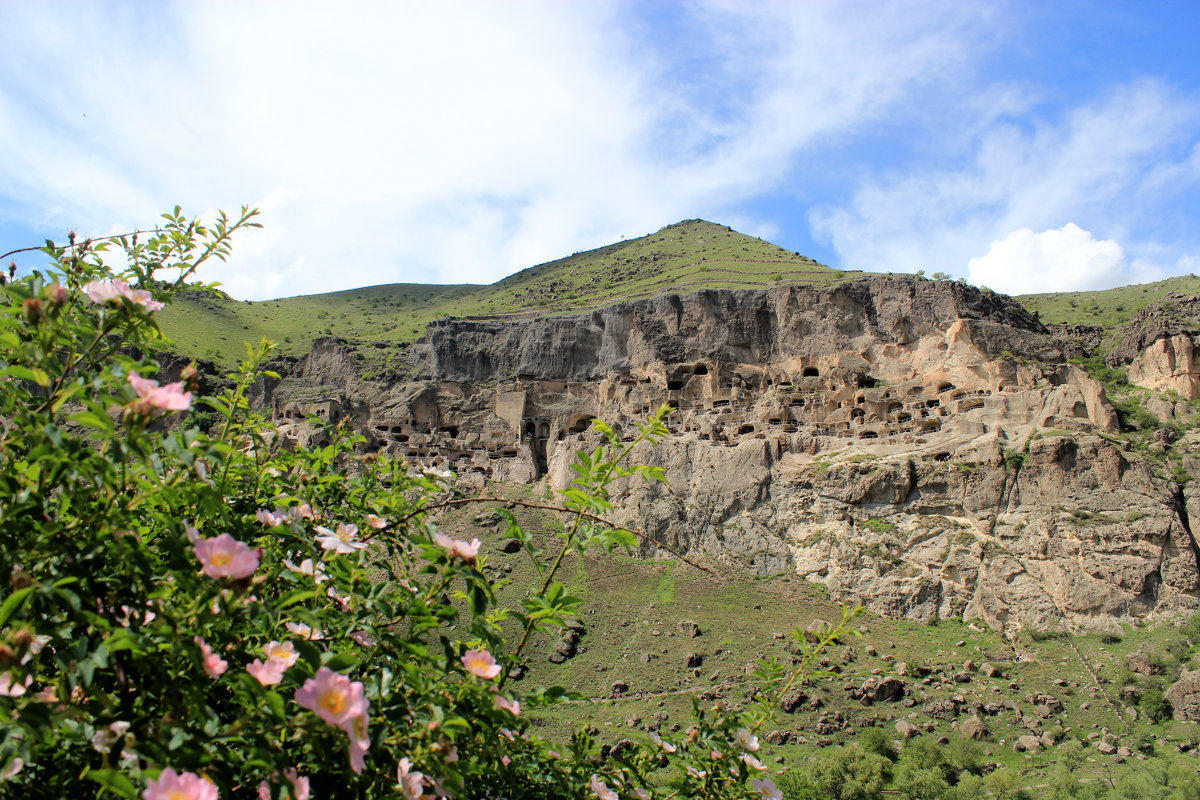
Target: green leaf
91	419
14	603
114	781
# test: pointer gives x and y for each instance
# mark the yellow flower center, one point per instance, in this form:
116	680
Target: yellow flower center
219	560
335	701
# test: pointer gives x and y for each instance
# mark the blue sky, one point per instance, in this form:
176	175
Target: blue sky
1024	146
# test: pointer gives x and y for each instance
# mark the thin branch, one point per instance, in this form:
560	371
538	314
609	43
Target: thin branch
88	241
523	504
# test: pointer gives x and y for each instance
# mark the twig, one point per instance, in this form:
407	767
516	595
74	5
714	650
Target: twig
523	504
87	241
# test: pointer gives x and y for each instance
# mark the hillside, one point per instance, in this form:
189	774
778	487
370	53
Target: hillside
683	257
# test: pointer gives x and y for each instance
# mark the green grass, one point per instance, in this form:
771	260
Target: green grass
684	257
1110	309
634	606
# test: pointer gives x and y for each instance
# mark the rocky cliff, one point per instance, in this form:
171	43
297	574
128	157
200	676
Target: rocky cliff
921	447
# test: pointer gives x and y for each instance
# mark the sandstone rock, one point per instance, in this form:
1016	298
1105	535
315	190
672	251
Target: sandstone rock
974	728
989	671
693	660
1184	696
1140	662
907	730
816	630
689	628
1027	744
620	687
1105	748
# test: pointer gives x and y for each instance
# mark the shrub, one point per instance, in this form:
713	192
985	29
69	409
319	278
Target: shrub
209	613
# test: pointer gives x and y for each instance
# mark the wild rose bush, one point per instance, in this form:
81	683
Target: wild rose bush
198	616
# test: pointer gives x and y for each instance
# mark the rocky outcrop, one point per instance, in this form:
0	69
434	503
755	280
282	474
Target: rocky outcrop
1169	364
1184	696
919	447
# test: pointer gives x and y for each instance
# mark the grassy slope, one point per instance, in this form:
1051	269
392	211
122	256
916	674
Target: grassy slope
682	257
1109	308
632	608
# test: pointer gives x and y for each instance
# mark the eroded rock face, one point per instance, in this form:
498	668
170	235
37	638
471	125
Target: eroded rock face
918	447
1169	364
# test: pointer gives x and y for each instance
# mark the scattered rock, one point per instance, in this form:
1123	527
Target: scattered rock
1184	695
907	730
816	630
693	660
974	728
689	628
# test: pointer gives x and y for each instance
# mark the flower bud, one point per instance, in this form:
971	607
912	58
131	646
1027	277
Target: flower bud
190	377
34	313
56	295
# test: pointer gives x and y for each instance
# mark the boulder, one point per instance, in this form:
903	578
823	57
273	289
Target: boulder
1184	696
816	630
1139	662
907	730
1027	744
974	728
692	660
689	629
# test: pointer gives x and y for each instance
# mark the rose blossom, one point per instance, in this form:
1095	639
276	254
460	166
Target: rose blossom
102	292
268	674
601	789
214	665
344	540
360	740
307	567
172	785
481	663
466	552
411	781
766	787
226	557
511	706
282	651
169	398
300	787
334	697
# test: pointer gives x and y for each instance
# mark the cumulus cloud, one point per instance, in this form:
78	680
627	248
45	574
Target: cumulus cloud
1057	260
1108	164
438	142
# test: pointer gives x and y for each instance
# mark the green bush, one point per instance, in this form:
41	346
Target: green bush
207	614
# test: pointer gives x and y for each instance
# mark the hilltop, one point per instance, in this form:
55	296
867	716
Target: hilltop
686	256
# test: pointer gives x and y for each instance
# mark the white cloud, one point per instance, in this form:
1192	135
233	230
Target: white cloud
438	142
1057	260
1106	164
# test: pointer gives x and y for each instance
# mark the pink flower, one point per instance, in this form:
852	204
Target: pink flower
455	547
268	674
102	292
746	740
171	397
344	540
214	665
9	688
307	567
360	740
658	740
511	706
481	663
282	651
378	523
172	785
270	518
334	697
505	760
766	787
226	557
601	789
302	511
300	787
411	781
303	631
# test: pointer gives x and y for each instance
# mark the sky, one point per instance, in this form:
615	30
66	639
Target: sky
1025	146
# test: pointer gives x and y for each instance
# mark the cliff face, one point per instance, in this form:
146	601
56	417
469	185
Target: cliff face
919	447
